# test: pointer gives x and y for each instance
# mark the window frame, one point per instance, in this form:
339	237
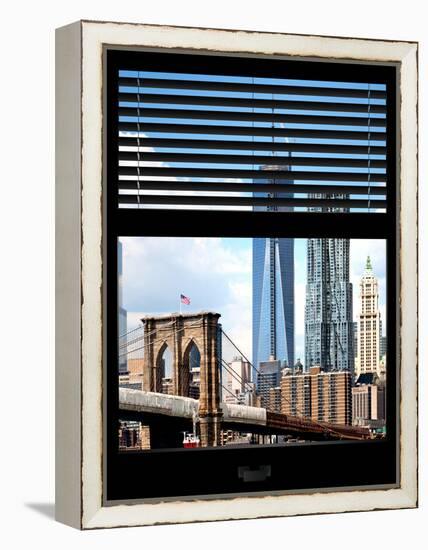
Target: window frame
88	40
372	457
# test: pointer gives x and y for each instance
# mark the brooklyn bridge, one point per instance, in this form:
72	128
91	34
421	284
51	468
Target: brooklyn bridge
187	395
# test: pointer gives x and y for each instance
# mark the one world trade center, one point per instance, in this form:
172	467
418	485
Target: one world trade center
273	297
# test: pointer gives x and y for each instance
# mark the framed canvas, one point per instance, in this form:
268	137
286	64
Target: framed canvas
236	274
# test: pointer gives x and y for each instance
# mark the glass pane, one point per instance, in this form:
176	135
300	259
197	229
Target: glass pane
240	341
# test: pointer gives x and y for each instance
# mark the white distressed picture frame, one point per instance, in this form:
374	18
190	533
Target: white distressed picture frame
79	272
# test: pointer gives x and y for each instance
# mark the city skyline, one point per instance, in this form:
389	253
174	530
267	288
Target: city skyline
157	270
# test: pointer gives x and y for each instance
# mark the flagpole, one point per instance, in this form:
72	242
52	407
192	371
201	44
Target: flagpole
180	305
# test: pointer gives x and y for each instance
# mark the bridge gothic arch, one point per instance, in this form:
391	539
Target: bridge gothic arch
184	335
163	369
191	369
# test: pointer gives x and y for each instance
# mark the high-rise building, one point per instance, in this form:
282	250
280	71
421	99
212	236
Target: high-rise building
274	403
296	393
331	397
329	332
273	300
237	379
268	376
320	395
122	322
368	401
273	291
355	329
369	323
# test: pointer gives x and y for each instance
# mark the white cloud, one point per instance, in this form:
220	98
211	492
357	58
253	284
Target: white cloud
134	319
237	319
214	273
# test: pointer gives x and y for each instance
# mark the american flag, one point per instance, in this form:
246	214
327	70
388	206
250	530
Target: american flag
184	299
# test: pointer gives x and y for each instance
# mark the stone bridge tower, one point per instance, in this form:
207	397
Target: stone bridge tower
180	333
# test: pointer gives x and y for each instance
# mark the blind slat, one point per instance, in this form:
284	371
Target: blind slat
216	200
272	146
175	84
257	103
252	117
248	174
249	159
169	128
294	188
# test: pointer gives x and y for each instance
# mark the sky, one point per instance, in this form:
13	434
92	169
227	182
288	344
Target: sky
375	133
216	274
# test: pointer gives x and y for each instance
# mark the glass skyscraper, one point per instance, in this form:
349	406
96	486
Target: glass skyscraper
329	330
273	292
273	300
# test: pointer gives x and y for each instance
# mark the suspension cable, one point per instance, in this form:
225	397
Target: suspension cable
199	323
235	375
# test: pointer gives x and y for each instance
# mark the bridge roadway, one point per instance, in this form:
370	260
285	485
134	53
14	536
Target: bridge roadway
143	404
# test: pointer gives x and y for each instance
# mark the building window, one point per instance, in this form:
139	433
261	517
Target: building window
239	171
